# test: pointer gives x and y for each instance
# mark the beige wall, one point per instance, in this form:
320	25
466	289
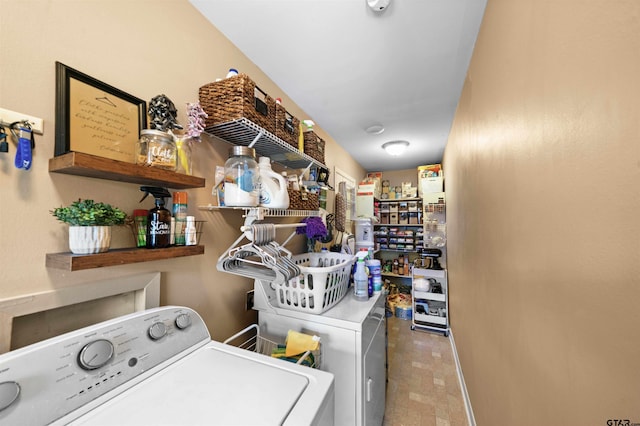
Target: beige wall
396	177
543	194
145	48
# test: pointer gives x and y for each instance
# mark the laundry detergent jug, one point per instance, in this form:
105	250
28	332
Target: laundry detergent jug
273	186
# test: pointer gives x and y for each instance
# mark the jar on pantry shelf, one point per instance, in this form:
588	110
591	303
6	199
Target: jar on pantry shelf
156	149
241	178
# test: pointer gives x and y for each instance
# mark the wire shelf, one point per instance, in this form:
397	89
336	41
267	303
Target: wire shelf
245	132
266	212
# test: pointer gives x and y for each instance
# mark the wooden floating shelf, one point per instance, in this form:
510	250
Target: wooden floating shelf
81	164
77	262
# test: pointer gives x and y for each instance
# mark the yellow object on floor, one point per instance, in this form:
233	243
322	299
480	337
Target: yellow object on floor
298	343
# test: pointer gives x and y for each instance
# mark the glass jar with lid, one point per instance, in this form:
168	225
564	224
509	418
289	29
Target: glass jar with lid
241	180
157	149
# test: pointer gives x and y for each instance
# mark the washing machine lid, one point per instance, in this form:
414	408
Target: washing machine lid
215	385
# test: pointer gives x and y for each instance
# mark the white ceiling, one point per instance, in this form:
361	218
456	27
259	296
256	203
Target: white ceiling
349	67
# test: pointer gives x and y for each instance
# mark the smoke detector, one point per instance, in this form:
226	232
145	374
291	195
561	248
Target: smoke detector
378	5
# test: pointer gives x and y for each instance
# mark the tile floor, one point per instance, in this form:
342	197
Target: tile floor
423	387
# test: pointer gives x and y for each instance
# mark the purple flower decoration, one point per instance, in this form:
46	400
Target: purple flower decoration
195	118
315	228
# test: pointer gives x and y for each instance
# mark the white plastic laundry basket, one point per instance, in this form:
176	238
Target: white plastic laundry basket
323	282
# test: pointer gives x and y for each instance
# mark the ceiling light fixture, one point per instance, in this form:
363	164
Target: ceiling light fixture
378	5
375	129
395	148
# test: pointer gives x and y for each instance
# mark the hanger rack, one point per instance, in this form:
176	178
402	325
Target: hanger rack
262	258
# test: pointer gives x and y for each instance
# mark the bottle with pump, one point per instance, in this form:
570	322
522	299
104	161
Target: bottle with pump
159	218
361	282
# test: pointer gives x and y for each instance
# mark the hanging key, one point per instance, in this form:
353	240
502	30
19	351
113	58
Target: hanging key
25	144
4	145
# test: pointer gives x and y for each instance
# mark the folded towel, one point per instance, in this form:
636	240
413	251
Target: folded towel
298	343
279	352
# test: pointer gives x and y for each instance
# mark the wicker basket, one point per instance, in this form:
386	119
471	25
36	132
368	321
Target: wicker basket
299	200
287	126
314	146
237	97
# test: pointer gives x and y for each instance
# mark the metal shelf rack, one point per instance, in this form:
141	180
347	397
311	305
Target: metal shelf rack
246	133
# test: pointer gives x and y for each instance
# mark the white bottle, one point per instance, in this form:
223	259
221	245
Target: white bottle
273	187
190	237
360	282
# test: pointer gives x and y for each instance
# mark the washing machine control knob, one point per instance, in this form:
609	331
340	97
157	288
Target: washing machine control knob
95	354
183	321
157	330
9	392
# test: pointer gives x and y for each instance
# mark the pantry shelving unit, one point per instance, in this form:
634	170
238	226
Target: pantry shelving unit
382	235
398	211
81	164
394	238
398	238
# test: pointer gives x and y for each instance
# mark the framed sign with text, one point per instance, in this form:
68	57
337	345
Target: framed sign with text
96	118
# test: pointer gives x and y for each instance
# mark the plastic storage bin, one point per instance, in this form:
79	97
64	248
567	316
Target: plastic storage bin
323	282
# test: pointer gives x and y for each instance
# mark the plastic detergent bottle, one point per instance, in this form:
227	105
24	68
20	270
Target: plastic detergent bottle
273	187
361	282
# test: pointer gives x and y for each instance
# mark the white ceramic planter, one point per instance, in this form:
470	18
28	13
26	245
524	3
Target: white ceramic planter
89	239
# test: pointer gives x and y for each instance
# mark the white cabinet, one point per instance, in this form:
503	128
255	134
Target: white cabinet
353	339
430	304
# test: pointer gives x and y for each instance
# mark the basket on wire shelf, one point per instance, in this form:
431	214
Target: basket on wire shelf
179	235
322	283
237	97
299	348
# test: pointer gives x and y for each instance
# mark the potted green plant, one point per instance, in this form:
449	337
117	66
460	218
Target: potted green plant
90	225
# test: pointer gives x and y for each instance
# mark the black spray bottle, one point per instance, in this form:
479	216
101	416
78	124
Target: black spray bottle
158	219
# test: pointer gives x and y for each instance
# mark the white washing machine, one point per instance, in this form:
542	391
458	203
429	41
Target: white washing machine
157	367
